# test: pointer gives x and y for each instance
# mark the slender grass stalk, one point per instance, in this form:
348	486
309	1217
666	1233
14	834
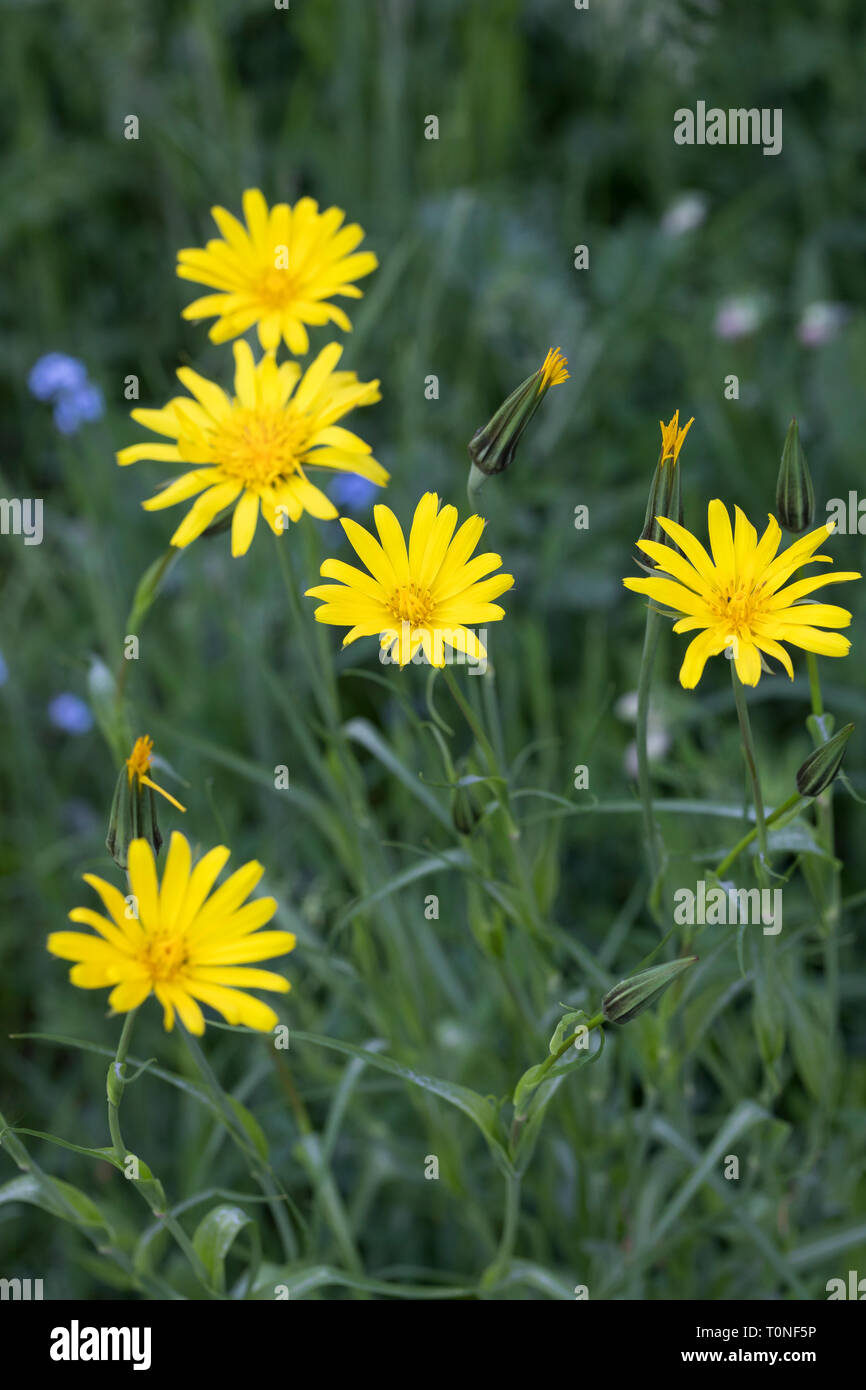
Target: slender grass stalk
346	784
481	739
511	846
260	1170
146	592
827	838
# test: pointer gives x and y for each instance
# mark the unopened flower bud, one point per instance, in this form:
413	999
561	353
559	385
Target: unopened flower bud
822	767
492	448
795	496
133	810
630	997
665	496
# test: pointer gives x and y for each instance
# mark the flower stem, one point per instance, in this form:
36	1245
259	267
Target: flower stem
815	684
520	1119
793	800
116	1085
830	913
510	1219
149	1189
652	835
595	1022
751	766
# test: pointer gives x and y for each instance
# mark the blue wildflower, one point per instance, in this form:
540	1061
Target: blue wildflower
74	408
55	373
71	714
353	492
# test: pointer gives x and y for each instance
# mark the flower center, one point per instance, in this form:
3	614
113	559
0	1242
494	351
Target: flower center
259	447
164	957
411	604
737	607
277	287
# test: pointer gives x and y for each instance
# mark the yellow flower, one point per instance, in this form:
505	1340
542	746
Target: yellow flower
737	598
553	370
418	598
673	436
250	451
138	765
180	944
278	272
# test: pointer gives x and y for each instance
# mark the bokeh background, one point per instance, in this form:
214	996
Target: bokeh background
555	129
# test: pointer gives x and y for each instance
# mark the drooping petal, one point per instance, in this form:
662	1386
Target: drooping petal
698	652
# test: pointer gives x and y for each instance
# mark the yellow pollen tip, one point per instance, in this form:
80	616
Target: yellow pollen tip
164	957
553	370
139	759
411	604
673	436
259	447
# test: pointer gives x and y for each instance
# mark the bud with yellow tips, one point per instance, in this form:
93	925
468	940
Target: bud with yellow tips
492	448
665	496
133	809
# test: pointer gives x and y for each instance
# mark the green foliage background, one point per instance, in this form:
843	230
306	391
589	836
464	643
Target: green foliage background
555	129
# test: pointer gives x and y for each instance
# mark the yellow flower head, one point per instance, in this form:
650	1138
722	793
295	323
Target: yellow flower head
249	452
279	272
178	943
138	765
553	370
736	598
415	598
673	436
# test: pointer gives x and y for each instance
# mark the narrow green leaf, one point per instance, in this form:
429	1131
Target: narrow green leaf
251	1127
361	731
479	1109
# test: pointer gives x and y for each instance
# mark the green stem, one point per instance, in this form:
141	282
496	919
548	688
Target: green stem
510	1219
751	766
595	1022
793	800
827	837
115	1086
544	1067
814	684
652	835
260	1170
